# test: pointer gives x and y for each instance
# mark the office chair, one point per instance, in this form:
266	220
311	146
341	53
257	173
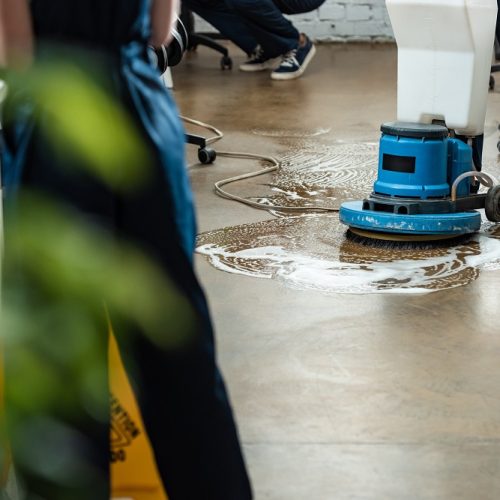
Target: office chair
206	39
206	155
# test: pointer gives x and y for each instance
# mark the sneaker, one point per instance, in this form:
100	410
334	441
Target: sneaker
259	62
295	62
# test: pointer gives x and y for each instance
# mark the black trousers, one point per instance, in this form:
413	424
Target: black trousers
60	432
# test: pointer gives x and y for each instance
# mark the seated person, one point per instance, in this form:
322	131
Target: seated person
260	29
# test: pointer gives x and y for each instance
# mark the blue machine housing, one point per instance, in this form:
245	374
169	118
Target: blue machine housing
459	161
420	167
417	167
411	167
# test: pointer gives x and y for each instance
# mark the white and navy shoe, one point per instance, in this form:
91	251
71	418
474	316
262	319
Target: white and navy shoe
295	62
258	61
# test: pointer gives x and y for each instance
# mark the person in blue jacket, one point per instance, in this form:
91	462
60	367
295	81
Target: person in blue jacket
181	393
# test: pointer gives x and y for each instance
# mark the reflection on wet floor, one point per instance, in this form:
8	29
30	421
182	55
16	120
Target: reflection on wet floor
323	176
312	252
297	134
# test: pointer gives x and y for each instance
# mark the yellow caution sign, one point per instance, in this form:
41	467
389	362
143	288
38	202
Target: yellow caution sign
134	475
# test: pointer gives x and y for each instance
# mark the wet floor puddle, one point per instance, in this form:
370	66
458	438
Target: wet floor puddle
292	133
312	252
323	176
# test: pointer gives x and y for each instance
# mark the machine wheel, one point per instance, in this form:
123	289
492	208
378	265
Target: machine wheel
226	63
492	82
206	155
492	204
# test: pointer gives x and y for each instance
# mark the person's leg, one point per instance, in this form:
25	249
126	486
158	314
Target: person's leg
226	20
294	63
276	36
274	33
181	395
298	6
180	391
188	418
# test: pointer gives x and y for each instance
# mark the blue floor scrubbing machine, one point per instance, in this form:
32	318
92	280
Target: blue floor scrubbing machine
425	187
430	159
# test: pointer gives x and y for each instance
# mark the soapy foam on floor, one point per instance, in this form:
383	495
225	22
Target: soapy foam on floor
296	134
313	253
324	176
310	251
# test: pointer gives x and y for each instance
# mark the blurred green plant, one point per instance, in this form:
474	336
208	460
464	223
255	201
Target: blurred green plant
84	121
63	276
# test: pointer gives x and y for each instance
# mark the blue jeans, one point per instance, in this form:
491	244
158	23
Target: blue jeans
249	23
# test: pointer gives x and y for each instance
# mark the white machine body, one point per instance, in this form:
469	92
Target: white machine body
444	60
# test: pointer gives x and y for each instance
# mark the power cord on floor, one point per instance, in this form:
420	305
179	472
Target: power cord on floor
275	165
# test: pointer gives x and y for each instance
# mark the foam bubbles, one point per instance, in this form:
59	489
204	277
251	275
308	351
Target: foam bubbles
310	251
313	253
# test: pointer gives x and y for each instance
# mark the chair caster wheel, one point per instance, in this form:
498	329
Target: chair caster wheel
492	204
206	155
226	63
492	83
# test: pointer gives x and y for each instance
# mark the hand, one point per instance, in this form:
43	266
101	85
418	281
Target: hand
16	34
163	16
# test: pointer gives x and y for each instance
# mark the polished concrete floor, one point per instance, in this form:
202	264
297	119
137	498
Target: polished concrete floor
343	396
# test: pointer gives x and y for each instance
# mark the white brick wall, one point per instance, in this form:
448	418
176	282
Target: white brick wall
348	20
